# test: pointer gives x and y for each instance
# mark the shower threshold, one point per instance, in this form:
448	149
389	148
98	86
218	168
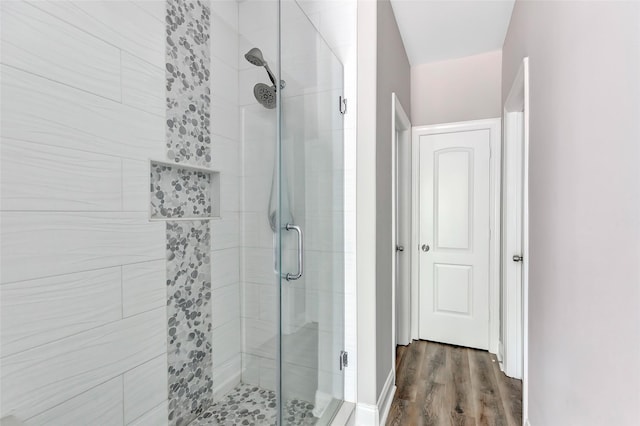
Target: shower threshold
252	405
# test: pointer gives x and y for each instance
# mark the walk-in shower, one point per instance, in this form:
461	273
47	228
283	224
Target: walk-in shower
172	218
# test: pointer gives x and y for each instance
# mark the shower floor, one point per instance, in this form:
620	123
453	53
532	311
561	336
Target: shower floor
252	405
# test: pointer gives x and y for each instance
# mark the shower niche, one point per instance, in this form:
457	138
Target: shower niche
180	192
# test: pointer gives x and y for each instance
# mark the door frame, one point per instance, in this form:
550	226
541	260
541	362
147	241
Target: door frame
516	303
400	134
494	125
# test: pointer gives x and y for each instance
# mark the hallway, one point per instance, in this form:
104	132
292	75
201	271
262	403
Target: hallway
441	384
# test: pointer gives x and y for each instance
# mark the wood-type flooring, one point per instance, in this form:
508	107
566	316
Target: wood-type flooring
444	385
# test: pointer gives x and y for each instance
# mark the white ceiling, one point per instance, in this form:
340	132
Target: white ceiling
435	30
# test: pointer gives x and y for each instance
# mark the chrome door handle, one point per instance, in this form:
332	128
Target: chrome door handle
399	248
517	258
288	276
425	247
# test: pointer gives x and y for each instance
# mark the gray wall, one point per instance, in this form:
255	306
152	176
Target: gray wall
457	89
584	299
366	202
393	75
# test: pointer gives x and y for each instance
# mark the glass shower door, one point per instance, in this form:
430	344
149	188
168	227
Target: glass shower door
311	223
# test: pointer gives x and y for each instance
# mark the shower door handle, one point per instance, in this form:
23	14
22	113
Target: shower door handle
291	277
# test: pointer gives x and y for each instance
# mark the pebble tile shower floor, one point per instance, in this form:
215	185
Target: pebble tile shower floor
252	405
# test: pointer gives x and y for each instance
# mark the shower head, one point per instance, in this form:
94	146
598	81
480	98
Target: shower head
254	56
265	94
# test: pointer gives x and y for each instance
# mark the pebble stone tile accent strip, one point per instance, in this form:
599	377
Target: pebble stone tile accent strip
187	77
251	405
189	320
179	192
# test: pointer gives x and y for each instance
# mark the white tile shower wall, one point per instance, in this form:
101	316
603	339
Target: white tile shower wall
156	417
42	377
43	310
144	287
99	405
144	388
44	243
51	113
124	24
225	233
41	177
82	287
57	51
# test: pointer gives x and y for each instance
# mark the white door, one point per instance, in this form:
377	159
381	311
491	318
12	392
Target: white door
512	243
403	237
401	220
454	237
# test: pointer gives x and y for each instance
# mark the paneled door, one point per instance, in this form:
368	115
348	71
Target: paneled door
454	214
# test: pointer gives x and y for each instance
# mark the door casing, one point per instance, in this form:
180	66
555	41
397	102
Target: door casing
401	135
516	303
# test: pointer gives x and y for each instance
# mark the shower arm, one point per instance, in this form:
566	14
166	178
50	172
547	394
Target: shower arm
272	77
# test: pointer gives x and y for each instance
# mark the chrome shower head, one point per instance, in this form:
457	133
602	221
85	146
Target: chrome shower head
265	94
254	56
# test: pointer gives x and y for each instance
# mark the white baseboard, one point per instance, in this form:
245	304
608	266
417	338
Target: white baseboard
376	415
366	415
386	398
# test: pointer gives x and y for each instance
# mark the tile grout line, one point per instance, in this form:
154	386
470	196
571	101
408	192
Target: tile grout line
75	396
79	272
121	77
61	147
60	82
17	68
147	412
121	292
33	4
123	399
121	184
78	333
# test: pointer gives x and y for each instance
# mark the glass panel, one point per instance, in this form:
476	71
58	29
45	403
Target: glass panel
311	204
258	57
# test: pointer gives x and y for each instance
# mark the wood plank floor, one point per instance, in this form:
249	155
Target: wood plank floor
444	385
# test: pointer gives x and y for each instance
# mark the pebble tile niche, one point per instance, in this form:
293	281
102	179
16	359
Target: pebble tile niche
182	192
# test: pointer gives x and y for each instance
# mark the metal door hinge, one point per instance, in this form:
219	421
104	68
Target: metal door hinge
342	105
344	359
